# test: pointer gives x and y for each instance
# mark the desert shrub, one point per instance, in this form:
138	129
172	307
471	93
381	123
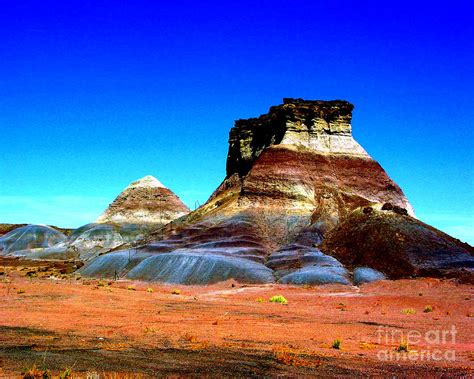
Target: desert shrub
259	300
428	309
403	347
278	299
336	344
66	374
175	292
131	288
190	338
35	373
149	290
342	306
408	311
20	291
150	329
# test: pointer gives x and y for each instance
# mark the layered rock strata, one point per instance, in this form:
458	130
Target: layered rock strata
292	175
145	201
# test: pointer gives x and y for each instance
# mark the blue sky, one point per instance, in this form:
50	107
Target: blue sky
95	94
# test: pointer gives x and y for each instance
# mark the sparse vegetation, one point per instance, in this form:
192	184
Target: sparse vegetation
342	307
149	290
190	338
428	309
66	374
35	373
259	300
278	299
176	292
286	357
403	347
337	344
150	329
131	288
408	311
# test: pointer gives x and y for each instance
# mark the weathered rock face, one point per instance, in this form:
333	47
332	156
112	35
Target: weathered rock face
324	126
398	245
145	201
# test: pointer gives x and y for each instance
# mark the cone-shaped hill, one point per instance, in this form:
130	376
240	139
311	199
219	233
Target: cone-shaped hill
145	201
293	175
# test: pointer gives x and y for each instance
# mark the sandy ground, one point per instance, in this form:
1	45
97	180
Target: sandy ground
122	329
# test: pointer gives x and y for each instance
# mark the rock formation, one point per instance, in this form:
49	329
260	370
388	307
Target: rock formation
145	201
301	203
401	246
293	175
143	206
29	237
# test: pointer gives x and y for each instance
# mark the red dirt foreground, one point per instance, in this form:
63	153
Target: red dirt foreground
123	329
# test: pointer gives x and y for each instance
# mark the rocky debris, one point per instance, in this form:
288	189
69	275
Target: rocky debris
394	208
145	201
29	237
398	245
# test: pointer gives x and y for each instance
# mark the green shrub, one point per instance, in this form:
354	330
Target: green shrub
278	299
336	344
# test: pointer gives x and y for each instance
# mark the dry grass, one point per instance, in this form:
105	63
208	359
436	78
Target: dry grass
286	357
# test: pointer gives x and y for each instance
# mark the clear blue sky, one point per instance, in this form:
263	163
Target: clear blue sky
95	94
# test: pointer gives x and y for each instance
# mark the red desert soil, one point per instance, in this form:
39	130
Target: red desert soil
233	330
